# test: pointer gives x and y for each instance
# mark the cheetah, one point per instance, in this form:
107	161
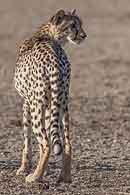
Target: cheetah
42	78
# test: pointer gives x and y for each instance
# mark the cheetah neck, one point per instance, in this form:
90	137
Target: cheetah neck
50	32
44	33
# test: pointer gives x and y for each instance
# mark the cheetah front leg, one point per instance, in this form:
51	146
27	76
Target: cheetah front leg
38	125
66	159
27	151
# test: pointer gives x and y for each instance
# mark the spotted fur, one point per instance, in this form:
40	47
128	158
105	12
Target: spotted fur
42	78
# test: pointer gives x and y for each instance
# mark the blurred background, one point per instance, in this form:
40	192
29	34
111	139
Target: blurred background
99	99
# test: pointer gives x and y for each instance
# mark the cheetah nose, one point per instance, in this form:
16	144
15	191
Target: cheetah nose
83	35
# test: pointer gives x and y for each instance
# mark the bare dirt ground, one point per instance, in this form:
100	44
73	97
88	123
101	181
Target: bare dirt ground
99	102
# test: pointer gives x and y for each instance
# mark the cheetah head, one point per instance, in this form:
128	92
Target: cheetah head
67	26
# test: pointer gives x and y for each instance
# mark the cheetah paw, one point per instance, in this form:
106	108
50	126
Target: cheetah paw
64	178
21	171
31	178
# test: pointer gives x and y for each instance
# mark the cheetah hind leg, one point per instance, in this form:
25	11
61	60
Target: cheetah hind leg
27	151
38	125
65	175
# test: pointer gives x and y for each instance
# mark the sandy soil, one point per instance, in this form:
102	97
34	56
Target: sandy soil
99	102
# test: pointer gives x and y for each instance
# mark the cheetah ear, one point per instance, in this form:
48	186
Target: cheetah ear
73	12
58	17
